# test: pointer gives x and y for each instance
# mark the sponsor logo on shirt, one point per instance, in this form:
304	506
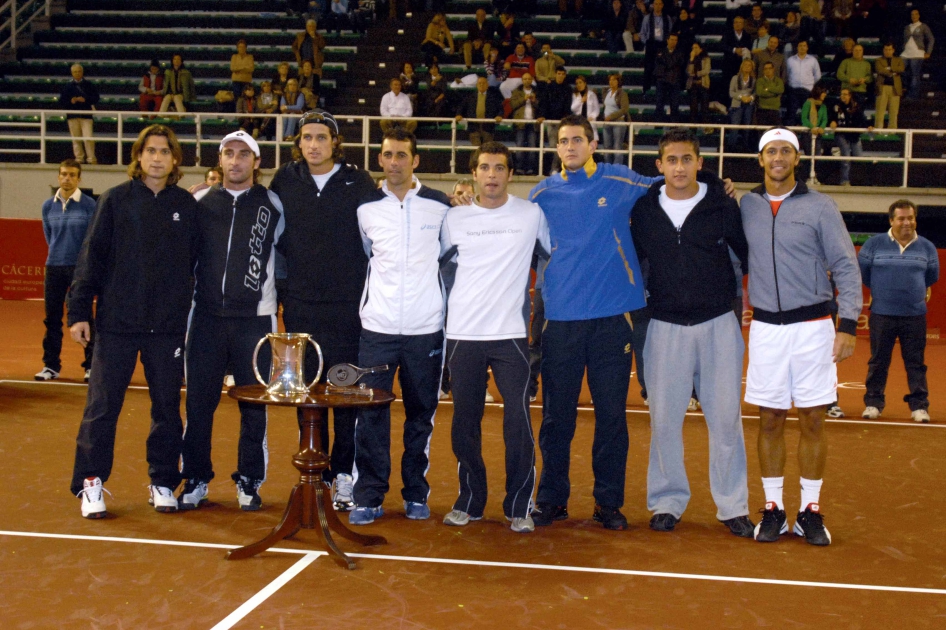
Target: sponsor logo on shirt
257	236
429	226
493	232
175	217
602	202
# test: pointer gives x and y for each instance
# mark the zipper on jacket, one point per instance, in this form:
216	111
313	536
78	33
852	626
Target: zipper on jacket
778	297
226	264
405	252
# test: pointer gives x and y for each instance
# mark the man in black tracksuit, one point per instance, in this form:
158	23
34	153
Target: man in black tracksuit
326	266
137	259
238	225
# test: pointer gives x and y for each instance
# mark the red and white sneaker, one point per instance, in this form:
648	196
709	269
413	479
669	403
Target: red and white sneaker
810	524
93	499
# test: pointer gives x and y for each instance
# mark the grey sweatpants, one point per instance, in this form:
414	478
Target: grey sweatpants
678	358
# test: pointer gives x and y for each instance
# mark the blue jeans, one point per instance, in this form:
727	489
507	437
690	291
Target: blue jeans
527	162
667	93
742	115
849	146
613	136
915	70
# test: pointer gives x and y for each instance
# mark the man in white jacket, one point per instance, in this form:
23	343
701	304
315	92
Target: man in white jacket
402	315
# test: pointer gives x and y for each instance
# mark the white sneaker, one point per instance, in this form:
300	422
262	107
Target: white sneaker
163	499
693	406
921	415
228	380
93	501
523	525
88	374
46	374
871	413
443	395
834	411
342	497
459	518
489	397
193	495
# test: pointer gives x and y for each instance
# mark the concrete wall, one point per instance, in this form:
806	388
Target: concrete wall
24	188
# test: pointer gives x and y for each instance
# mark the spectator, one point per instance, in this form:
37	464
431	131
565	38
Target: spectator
855	73
546	65
555	105
438	42
613	25
845	51
742	107
178	86
361	14
655	30
756	20
337	16
436	94
246	104
917	46
507	34
737	46
814	115
888	87
241	68
267	103
212	177
533	49
790	33
516	65
151	88
803	73
812	24
668	71
307	46
479	40
524	104
737	8
632	28
485	102
66	219
409	83
495	69
770	54
397	104
899	267
762	38
81	97
841	13
585	102
616	110
292	102
310	85
687	27
848	113
768	90
698	83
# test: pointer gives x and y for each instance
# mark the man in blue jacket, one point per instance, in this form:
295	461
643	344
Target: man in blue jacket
66	219
899	267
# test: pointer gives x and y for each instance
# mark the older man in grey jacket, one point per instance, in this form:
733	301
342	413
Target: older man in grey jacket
796	236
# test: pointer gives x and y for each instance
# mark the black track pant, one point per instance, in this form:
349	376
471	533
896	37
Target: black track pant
213	343
604	347
509	359
113	364
55	289
884	332
420	361
336	327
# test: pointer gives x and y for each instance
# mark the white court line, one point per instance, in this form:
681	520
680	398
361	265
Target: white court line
872	423
250	605
484	563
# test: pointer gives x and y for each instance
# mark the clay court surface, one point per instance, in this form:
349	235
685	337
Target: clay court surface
882	498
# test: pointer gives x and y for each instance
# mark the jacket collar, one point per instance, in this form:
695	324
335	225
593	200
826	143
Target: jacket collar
589	169
801	188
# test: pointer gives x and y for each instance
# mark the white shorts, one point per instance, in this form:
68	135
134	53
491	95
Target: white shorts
792	363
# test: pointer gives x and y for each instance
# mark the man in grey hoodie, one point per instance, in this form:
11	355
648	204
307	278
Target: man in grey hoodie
796	236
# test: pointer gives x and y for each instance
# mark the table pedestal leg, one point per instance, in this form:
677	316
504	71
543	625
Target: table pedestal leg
310	498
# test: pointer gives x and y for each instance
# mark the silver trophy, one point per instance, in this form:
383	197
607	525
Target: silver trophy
287	376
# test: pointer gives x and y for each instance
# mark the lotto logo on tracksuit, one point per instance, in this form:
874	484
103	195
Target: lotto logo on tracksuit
257	240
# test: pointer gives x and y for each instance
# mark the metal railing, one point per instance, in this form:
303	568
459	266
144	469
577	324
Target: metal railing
17	17
205	128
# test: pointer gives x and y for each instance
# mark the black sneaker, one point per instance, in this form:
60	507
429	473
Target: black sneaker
740	526
772	525
544	513
663	522
810	524
610	517
248	494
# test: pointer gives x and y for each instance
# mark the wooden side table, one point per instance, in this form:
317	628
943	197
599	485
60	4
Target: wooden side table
310	500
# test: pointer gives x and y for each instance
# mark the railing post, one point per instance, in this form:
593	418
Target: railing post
121	134
907	155
198	133
365	139
42	136
453	146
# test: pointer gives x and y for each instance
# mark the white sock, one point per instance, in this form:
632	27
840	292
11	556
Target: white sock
773	490
810	492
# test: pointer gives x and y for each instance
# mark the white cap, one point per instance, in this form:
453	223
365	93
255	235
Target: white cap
242	136
779	133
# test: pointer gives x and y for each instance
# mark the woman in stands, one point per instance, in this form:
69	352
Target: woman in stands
616	106
698	83
241	68
438	42
495	68
585	102
293	102
742	107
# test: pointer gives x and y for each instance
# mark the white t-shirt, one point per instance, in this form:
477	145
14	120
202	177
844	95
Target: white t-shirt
493	250
321	180
679	209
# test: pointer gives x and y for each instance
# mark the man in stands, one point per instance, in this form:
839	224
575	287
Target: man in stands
178	86
396	105
326	266
481	31
803	73
402	327
238	225
80	96
899	267
484	102
555	104
138	260
66	219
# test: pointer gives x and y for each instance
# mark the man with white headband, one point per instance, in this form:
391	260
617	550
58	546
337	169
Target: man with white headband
796	236
239	223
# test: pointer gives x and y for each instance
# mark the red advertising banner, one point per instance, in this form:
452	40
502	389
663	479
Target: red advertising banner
23	254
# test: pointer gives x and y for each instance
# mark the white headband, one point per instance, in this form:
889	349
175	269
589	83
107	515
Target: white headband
778	134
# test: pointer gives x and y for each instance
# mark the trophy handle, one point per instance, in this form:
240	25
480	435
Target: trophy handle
321	364
255	356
